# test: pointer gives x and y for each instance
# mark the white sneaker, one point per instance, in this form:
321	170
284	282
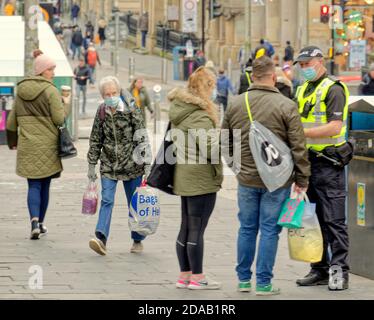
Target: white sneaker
204	284
137	247
98	246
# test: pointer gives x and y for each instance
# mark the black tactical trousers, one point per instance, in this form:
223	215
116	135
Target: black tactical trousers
327	190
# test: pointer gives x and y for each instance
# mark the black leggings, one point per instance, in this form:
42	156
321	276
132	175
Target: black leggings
196	212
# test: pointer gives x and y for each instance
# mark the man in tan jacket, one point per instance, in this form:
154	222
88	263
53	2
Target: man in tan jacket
260	209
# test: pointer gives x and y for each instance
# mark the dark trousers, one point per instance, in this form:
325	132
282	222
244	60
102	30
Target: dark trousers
224	101
38	197
196	212
144	38
328	190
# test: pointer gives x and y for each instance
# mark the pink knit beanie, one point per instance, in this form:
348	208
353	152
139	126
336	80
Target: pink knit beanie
42	62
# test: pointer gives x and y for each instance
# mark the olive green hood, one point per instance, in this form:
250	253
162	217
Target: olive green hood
31	88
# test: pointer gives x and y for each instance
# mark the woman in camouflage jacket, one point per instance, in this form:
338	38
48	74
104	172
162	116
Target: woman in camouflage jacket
119	140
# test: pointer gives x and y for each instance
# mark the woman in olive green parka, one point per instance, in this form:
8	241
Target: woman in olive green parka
198	171
32	131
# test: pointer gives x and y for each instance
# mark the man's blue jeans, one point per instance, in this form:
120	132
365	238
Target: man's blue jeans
108	193
259	211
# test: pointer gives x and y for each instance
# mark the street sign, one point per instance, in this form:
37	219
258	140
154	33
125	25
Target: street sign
111	31
189	23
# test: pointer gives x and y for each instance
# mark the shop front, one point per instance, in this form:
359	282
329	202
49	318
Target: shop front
354	34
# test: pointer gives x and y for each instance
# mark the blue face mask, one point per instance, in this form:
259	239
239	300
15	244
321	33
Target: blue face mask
214	95
309	73
112	101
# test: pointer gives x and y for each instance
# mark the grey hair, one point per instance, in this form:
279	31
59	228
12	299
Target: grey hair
104	82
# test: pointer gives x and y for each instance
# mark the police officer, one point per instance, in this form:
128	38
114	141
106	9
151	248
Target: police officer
323	105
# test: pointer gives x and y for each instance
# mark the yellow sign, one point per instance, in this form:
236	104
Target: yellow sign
361	204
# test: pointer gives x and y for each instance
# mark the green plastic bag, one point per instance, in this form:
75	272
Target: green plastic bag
291	216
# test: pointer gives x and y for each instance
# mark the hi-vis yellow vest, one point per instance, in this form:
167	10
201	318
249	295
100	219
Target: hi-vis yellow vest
318	113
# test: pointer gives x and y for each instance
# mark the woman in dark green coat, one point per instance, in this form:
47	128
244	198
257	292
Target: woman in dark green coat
32	131
194	119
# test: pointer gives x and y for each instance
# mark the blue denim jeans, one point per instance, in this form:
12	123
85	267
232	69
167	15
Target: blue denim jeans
259	211
38	197
108	193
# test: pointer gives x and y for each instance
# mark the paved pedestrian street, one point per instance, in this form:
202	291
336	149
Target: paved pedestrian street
70	270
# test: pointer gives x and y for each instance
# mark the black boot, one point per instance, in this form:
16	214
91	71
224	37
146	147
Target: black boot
313	279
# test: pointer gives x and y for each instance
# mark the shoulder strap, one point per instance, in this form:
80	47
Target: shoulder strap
102	113
248	106
248	78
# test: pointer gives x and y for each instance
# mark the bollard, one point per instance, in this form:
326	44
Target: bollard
131	69
157	108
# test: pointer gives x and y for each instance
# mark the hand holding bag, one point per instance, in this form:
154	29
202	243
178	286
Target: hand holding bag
292	211
66	148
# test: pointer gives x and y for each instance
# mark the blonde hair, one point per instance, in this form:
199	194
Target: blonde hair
200	83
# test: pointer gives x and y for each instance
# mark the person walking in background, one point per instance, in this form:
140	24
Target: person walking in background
260	51
32	131
224	87
245	78
82	74
77	43
200	60
90	29
197	184
366	87
259	208
141	96
101	31
143	27
10	8
75	10
112	141
289	53
283	84
92	59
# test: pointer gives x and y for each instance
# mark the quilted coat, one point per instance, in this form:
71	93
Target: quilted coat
36	113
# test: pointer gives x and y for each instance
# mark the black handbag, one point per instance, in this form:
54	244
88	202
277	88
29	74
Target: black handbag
66	148
162	171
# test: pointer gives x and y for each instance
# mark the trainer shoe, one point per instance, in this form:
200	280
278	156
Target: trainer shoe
244	287
204	284
137	247
268	290
182	283
43	229
35	231
98	246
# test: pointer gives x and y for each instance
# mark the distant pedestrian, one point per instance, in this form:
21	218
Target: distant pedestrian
366	87
141	96
258	208
289	52
143	27
260	51
75	10
112	142
246	77
211	66
283	84
32	131
77	43
82	74
197	183
90	29
101	31
92	58
242	59
10	8
200	60
224	87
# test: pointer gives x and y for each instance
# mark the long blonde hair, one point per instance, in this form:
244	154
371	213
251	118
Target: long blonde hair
199	84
